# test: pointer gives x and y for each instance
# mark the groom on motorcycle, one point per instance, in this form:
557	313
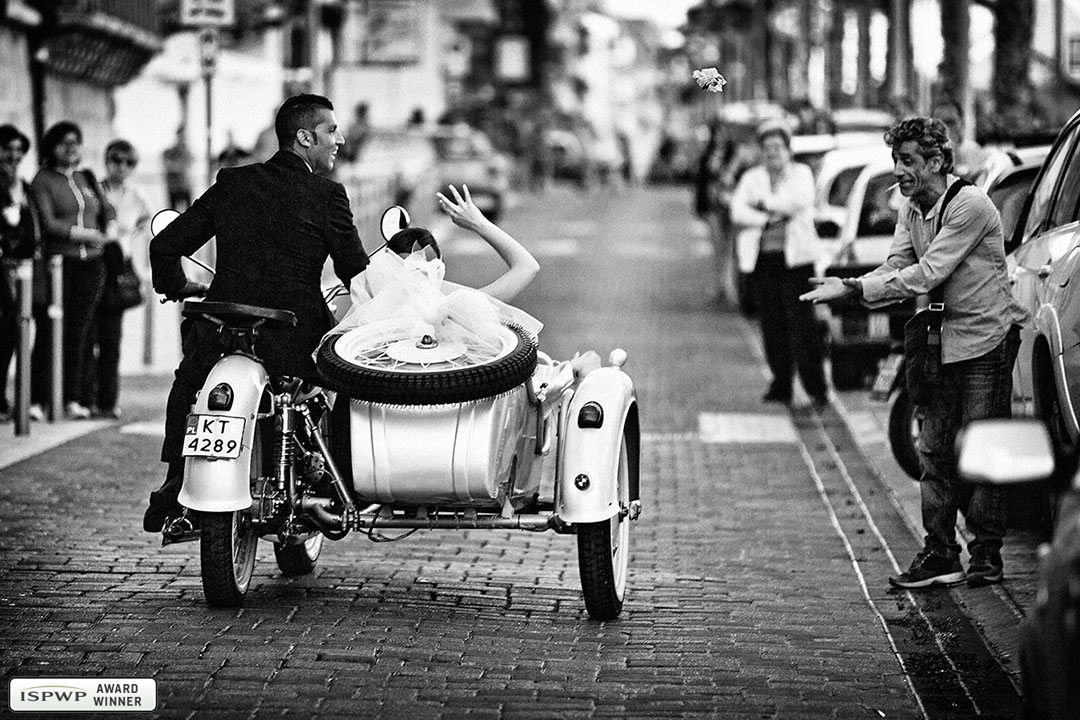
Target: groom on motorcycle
275	222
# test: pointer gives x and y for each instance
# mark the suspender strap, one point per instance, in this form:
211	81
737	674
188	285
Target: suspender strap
937	294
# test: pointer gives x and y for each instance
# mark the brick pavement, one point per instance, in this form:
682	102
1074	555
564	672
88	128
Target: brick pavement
743	598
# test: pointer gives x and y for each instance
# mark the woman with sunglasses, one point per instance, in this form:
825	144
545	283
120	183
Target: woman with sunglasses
76	223
132	221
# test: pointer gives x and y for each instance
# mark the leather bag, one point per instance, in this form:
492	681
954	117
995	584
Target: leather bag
123	286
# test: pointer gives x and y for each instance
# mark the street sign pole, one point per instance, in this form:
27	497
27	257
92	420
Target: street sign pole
208	47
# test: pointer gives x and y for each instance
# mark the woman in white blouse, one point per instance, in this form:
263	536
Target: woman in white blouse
773	210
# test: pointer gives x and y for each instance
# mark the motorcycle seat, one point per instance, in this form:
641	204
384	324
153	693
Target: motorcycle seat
238	315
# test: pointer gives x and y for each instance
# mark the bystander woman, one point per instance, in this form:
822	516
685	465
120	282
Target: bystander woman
132	245
76	223
772	208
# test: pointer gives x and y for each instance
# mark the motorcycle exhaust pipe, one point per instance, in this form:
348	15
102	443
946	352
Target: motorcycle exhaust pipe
317	511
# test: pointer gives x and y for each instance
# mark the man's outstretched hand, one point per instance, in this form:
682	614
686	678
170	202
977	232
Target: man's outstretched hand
828	289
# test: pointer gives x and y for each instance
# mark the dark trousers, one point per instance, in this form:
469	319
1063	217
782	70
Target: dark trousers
84	284
973	389
789	327
109	326
201	348
41	357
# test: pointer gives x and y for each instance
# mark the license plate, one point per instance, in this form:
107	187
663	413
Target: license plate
879	325
213	436
886	376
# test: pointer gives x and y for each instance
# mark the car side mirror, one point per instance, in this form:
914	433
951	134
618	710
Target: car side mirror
1000	452
394	218
161	220
827	229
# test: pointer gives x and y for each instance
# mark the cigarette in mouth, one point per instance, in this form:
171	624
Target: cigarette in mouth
892	187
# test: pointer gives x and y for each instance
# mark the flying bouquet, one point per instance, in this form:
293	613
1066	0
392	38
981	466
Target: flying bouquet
711	80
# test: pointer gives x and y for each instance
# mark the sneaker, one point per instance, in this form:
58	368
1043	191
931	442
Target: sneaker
111	414
985	567
75	411
37	413
930	569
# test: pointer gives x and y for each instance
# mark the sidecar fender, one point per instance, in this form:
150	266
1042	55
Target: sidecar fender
223	485
589	456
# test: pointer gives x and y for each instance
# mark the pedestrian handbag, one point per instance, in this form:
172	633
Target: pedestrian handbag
123	286
922	333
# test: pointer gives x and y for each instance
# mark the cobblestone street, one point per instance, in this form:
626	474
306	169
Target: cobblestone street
757	572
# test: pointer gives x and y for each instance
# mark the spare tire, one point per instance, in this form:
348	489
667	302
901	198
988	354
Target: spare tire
392	369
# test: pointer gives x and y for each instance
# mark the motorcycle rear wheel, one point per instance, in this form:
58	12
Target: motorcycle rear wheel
228	541
603	553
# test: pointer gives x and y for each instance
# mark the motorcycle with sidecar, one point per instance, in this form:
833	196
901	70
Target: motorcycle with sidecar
406	432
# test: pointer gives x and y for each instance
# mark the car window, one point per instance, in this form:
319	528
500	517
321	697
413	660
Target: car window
1065	204
1043	192
840	190
878	216
1008	197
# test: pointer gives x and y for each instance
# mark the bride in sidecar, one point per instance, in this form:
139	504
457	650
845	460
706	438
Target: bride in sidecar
455	420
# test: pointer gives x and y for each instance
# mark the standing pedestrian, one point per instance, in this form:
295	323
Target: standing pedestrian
18	241
132	245
773	207
712	206
958	248
76	223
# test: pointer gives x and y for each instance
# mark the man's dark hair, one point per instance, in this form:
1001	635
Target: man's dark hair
9	133
295	113
929	133
120	146
411	239
54	136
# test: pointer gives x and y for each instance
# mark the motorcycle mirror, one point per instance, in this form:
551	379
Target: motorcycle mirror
394	218
161	220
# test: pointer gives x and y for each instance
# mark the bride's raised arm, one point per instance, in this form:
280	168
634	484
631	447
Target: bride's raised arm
521	265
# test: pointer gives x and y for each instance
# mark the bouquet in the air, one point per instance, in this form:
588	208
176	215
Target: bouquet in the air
710	79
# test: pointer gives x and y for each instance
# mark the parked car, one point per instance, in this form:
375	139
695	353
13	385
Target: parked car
467	157
1044	261
836	176
811	150
858	337
1016	451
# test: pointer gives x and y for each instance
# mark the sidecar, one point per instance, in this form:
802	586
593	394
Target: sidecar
437	435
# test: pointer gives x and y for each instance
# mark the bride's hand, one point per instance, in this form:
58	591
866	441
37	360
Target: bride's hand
462	210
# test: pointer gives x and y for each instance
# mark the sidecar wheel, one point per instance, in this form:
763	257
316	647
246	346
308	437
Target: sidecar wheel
228	544
299	559
905	426
604	553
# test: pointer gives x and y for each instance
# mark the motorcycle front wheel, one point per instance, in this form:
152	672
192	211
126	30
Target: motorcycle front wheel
229	541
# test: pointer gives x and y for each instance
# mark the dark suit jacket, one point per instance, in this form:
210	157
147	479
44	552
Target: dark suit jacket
276	222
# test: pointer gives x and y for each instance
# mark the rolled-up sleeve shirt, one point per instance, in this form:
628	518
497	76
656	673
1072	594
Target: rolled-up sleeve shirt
967	257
